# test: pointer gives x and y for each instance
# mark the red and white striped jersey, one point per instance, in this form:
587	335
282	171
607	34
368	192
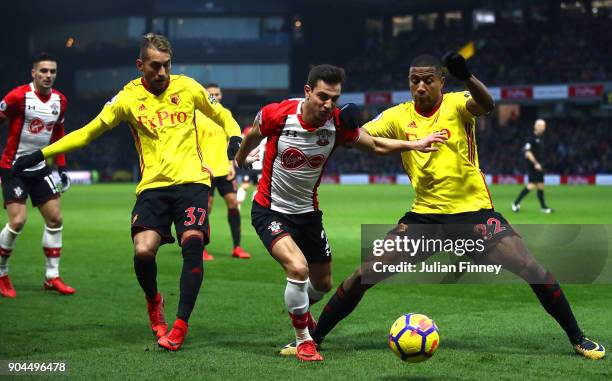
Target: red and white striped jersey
35	122
295	157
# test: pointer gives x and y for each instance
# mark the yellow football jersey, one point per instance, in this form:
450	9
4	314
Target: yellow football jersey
447	181
214	145
164	129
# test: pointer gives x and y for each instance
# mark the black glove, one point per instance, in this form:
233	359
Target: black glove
233	147
26	161
63	174
456	65
350	117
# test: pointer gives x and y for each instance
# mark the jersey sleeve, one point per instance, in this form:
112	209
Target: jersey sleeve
58	130
527	146
460	100
384	125
114	110
209	106
269	120
11	104
344	135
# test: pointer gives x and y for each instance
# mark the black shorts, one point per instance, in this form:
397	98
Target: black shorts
306	230
224	185
485	224
186	205
39	185
534	176
251	175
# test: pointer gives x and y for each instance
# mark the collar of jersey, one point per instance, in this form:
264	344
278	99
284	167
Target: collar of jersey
43	98
435	109
305	125
144	84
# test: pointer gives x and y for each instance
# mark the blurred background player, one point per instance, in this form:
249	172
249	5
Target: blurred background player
36	118
302	135
159	109
253	174
214	147
534	153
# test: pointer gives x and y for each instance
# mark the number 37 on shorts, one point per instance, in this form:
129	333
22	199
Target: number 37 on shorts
195	216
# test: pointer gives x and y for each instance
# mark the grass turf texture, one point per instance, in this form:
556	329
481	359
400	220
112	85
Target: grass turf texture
239	322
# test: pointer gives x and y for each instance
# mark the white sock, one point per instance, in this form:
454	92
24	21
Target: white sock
8	237
52	245
4	265
7	243
296	300
240	195
313	294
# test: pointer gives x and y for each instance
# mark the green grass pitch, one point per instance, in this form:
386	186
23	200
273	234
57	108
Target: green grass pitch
487	332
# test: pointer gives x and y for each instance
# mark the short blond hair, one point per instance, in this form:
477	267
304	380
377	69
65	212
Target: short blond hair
155	42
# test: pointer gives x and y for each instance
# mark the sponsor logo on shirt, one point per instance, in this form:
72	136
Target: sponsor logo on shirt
292	158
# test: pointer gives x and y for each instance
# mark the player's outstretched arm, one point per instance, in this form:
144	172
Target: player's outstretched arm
385	146
245	157
74	140
481	101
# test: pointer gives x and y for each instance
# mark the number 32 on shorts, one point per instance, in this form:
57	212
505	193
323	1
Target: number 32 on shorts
191	216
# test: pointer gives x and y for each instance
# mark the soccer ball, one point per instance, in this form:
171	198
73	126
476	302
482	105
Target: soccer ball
414	337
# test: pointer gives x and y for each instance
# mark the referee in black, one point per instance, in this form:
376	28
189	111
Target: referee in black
533	153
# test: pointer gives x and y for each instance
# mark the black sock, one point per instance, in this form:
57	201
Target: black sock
339	306
555	303
521	195
233	217
541	198
191	276
146	273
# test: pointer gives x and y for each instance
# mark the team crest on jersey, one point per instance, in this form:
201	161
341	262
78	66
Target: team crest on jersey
55	109
3	106
17	191
275	227
176	99
323	137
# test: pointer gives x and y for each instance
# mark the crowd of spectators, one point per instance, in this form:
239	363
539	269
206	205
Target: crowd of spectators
573	50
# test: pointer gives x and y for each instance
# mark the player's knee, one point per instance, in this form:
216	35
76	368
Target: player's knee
326	285
17	223
55	221
232	204
298	271
144	251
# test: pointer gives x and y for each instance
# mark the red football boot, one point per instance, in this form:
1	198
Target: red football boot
206	256
307	351
57	284
156	315
175	338
6	287
239	252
